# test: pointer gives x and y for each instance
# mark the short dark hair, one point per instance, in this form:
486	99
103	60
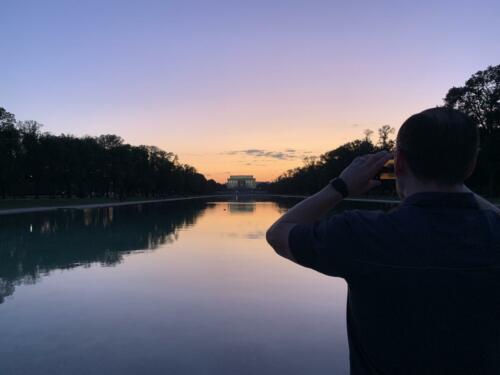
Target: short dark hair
439	144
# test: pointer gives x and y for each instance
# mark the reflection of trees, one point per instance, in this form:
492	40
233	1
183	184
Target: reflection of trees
34	244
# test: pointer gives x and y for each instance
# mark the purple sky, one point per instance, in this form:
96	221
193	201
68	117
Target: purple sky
234	86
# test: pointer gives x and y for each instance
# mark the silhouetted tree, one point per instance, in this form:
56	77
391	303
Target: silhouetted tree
316	172
368	135
384	137
480	99
9	150
36	163
29	161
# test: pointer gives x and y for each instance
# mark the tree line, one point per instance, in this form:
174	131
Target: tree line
317	171
479	98
36	163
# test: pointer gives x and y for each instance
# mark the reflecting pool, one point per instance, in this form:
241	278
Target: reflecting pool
173	288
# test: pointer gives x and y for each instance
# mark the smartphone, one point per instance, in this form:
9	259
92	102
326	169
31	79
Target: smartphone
387	171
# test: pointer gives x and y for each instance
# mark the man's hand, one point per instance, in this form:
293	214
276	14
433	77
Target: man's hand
359	175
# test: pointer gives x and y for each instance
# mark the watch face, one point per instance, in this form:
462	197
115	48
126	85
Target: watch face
340	186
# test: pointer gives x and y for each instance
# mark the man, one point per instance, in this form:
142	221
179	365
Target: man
423	279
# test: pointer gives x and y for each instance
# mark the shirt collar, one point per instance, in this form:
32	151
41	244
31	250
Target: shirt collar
441	199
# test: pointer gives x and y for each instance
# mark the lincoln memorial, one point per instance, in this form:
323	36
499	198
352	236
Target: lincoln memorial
241	182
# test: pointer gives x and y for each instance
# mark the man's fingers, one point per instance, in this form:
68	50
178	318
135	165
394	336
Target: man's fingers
380	161
380	155
371	159
372	163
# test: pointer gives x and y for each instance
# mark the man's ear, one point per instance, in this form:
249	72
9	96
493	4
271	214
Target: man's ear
399	162
471	166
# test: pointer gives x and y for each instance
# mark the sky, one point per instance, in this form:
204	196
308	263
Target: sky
238	87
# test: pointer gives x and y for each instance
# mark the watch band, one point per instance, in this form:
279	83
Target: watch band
340	185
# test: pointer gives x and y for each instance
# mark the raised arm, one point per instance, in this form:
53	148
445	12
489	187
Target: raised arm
358	177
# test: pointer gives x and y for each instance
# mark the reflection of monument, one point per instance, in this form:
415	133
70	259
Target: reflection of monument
241	182
241	207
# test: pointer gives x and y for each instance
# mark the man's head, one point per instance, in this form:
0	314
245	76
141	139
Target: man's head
436	148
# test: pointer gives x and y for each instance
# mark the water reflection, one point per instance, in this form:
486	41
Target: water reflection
33	245
213	298
241	207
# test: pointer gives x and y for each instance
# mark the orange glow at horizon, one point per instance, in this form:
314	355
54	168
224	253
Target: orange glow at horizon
263	153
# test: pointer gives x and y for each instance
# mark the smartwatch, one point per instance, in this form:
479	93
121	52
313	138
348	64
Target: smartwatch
340	185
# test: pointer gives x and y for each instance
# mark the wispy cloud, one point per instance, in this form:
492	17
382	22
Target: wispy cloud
285	154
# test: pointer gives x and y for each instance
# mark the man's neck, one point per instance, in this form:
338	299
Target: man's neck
418	187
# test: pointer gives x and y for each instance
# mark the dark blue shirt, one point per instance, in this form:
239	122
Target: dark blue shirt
423	283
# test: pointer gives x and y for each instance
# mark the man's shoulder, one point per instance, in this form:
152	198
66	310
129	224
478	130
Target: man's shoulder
491	223
379	224
372	217
492	213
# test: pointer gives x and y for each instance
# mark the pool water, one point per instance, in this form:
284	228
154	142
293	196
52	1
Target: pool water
171	288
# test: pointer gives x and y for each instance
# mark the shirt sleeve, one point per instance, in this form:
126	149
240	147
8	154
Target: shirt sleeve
327	246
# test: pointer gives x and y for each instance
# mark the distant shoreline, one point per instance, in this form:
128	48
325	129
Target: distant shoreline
21	210
90	205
